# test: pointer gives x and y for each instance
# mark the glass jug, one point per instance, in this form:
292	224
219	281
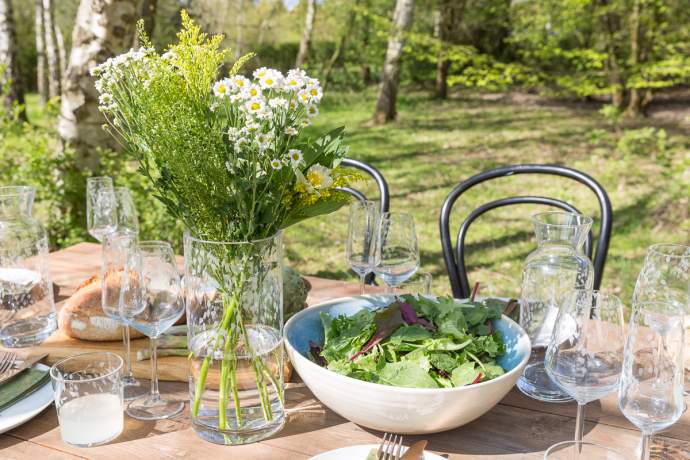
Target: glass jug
556	267
27	308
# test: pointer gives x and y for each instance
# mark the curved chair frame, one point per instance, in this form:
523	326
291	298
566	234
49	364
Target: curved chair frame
376	175
455	263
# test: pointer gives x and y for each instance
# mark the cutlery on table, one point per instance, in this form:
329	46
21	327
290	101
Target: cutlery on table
390	447
415	451
6	361
24	364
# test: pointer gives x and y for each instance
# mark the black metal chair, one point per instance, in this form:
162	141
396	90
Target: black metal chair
455	261
376	175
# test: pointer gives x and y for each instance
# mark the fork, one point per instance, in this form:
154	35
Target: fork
6	361
390	447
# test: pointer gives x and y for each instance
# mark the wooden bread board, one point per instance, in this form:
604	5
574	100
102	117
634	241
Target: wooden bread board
172	368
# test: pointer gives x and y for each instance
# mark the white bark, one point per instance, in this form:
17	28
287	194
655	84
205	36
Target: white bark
8	58
103	29
239	29
305	43
41	64
402	21
52	54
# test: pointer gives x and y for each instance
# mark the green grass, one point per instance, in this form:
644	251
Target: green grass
434	145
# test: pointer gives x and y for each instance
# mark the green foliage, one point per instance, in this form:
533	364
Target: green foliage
646	141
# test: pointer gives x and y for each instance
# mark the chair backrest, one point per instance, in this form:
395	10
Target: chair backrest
455	262
376	175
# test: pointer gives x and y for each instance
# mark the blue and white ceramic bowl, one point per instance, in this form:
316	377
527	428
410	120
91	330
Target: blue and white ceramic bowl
396	409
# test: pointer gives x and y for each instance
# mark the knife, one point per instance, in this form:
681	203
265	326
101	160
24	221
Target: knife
28	362
415	451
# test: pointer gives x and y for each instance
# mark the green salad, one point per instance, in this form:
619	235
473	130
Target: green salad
415	342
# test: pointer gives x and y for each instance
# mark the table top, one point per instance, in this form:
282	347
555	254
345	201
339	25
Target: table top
517	428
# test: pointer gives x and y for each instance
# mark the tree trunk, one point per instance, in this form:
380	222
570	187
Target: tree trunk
147	12
366	30
103	28
41	64
306	35
635	102
402	20
8	59
443	28
239	29
613	67
52	54
340	47
62	53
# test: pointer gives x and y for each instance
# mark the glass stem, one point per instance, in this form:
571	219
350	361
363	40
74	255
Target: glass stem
128	360
153	342
361	283
580	422
644	449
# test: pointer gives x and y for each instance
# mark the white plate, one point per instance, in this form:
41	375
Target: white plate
361	452
29	407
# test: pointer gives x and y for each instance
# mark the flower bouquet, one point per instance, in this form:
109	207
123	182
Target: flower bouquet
227	156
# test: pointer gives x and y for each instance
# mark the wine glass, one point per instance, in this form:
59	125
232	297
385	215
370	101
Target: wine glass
361	238
116	248
585	353
419	283
127	217
651	389
154	284
101	207
397	253
665	277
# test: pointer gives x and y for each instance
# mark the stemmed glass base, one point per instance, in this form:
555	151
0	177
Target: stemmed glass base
573	450
154	408
133	388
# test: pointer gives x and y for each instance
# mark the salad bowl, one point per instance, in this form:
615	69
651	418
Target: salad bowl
391	408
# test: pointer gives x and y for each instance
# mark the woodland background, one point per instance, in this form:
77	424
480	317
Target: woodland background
430	91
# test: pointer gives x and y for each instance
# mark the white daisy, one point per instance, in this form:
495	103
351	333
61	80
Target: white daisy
252	91
291	131
312	110
276	164
272	79
239	83
319	177
315	92
255	105
260	72
306	122
295	156
303	97
222	88
263	138
294	81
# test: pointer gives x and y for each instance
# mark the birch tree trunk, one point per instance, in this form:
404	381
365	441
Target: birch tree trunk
402	21
52	54
635	100
103	29
41	64
8	59
305	43
62	54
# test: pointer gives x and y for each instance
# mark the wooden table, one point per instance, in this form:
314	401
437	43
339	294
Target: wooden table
517	428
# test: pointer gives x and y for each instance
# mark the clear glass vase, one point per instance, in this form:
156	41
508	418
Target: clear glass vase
27	308
234	306
555	268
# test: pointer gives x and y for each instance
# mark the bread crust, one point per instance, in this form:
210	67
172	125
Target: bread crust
81	317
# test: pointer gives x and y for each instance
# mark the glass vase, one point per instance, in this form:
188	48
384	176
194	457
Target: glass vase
555	268
27	308
233	293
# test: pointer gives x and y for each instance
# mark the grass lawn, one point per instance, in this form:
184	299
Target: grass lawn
434	145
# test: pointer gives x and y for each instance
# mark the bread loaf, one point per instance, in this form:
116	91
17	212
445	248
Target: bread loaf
82	317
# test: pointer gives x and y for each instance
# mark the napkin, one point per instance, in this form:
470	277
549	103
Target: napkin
22	385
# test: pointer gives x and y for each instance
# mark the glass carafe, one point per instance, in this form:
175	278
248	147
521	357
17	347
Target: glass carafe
556	267
27	308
